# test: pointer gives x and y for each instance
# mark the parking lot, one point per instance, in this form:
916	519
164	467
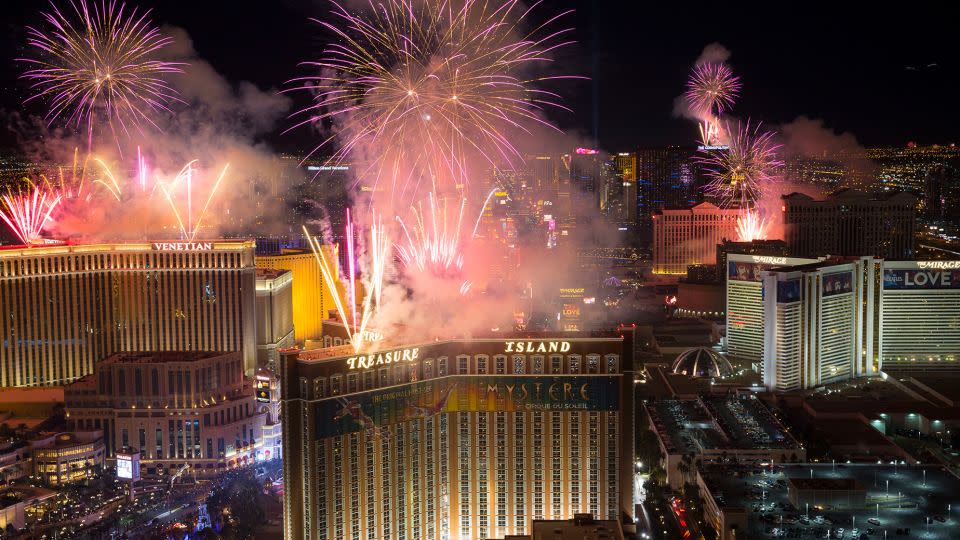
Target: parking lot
901	502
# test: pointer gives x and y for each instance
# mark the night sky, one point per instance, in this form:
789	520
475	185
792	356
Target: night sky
888	75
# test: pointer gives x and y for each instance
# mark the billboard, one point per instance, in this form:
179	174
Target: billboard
837	283
920	279
263	390
744	271
464	393
788	291
128	466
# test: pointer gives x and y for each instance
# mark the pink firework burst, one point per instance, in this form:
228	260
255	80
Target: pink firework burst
741	174
26	212
712	87
98	61
414	87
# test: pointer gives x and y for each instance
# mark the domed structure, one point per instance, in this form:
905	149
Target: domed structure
702	362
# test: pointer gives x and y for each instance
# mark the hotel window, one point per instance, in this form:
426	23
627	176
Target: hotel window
463	365
368	380
319	387
536	364
304	389
352	383
482	364
611	363
593	363
335	389
428	369
519	365
556	363
501	364
384	376
574	361
442	366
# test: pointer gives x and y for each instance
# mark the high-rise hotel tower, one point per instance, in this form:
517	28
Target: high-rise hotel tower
65	307
464	439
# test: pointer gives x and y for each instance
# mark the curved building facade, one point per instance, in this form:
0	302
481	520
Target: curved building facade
464	439
66	307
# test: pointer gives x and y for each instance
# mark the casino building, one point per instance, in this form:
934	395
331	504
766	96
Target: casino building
65	307
811	322
463	438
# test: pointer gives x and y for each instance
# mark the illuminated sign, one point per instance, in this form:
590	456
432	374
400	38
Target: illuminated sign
368	361
943	265
182	246
576	292
769	260
571	310
463	393
128	466
586	151
263	390
920	279
537	346
328	168
713	147
838	283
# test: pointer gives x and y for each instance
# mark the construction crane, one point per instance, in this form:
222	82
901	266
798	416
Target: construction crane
178	474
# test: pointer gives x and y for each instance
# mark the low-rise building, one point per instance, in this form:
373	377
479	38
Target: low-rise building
65	458
580	527
179	409
16	501
15	461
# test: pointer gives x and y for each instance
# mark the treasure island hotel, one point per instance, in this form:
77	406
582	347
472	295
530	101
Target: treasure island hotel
458	439
65	307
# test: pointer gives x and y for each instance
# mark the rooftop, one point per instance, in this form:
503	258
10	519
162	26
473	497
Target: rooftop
157	357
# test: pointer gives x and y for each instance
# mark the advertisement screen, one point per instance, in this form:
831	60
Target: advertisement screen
744	271
838	283
128	466
907	279
464	393
788	291
263	390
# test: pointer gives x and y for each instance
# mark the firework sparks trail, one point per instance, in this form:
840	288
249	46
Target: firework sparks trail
98	61
741	175
26	212
357	318
712	87
751	226
434	243
442	78
191	228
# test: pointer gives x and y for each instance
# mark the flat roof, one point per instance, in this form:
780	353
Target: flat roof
831	484
61	248
162	357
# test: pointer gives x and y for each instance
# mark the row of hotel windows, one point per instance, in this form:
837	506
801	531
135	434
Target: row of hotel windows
26	266
178	381
400	374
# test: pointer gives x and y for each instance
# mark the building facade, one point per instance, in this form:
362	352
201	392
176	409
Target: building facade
274	315
60	459
816	322
312	301
920	313
194	409
465	439
66	307
744	304
851	223
685	237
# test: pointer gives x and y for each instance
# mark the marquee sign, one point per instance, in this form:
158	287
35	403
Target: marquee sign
182	246
906	279
464	393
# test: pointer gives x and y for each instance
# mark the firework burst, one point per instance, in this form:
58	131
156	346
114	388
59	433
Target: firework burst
751	226
712	87
433	241
420	85
188	221
97	61
27	211
740	175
